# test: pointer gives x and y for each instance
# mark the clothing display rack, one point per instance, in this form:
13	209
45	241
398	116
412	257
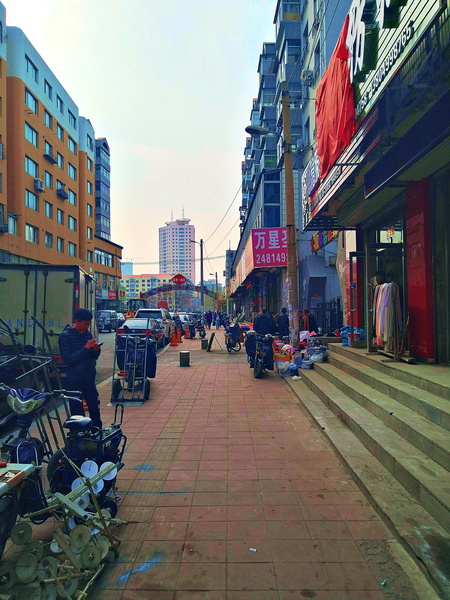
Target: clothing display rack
387	319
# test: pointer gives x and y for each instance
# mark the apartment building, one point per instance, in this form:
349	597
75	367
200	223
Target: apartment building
48	171
135	285
176	250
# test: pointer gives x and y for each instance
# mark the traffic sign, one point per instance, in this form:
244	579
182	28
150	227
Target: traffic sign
163	304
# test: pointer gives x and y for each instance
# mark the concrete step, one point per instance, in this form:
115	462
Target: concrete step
424	403
432	439
430	378
425	479
421	534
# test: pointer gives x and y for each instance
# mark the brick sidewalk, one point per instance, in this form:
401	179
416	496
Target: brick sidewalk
234	494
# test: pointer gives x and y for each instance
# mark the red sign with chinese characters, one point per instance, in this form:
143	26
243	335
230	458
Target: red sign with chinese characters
269	247
179	279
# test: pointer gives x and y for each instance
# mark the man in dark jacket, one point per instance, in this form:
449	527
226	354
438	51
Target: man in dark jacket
309	321
79	350
283	323
264	323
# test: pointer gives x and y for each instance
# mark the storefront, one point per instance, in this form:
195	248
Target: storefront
389	180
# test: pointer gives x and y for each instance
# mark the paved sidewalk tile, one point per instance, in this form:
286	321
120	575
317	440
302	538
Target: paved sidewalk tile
232	493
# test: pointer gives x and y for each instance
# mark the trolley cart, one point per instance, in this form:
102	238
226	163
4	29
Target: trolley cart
134	365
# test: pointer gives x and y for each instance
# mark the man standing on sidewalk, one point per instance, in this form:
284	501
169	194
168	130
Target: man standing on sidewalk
264	323
80	352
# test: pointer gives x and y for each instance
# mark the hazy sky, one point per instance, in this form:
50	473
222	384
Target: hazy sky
170	85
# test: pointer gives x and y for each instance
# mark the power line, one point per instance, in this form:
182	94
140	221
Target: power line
221	221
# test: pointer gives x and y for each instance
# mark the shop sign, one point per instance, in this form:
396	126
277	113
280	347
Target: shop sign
179	279
112	295
104	294
310	177
380	33
319	239
269	247
122	293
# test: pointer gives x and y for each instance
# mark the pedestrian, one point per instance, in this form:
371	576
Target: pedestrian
283	323
208	318
80	351
217	320
309	321
264	323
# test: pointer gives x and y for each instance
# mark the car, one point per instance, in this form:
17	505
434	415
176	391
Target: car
145	327
107	320
163	316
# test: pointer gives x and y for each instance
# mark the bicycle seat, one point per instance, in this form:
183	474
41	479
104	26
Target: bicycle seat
78	423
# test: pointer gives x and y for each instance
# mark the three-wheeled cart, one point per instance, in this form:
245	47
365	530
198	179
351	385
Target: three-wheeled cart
134	366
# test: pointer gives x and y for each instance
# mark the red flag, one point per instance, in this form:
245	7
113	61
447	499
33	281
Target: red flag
335	107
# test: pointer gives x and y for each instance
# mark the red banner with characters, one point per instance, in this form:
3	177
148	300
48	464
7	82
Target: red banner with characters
269	247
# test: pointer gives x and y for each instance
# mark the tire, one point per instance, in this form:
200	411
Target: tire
8	517
258	369
202	334
229	346
116	389
236	346
59	472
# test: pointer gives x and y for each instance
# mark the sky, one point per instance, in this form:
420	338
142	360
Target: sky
170	85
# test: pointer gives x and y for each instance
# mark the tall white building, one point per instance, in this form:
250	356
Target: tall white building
176	251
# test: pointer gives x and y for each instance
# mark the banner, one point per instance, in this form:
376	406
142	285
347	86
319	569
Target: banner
269	247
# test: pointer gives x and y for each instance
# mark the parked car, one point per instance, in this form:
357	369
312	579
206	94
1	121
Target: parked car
107	320
143	326
163	316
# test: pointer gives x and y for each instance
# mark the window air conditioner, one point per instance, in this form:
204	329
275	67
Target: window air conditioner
38	185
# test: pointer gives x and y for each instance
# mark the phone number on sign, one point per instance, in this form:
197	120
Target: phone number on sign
270	258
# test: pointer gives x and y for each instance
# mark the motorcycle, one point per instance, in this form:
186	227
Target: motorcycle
259	352
200	328
232	338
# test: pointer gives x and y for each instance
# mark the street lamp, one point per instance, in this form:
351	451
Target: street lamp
202	292
217	292
290	212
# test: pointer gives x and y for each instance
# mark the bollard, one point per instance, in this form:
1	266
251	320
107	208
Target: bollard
186	333
184	358
173	339
204	344
179	340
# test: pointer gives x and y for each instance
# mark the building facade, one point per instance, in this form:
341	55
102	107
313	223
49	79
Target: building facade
176	250
47	193
389	182
288	68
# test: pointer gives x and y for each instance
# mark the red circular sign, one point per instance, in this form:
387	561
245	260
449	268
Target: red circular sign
163	304
179	279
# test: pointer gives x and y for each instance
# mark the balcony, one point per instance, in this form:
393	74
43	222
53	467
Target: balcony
61	193
49	156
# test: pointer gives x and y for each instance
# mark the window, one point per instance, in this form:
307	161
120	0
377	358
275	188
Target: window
48	180
72	172
31	135
71	249
72	119
89	163
12	225
100	170
72	223
90	142
72	197
59	104
31	101
48	240
60	216
48	119
31	167
89	233
60	244
31	234
48	148
89	187
104	258
89	210
71	144
60	185
48	209
48	90
59	132
60	160
32	69
89	256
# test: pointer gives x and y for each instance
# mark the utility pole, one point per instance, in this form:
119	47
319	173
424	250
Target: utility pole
290	220
217	295
202	291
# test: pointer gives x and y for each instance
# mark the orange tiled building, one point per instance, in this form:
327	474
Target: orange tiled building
48	171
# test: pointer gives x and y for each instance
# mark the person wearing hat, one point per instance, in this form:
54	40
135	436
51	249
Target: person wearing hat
80	351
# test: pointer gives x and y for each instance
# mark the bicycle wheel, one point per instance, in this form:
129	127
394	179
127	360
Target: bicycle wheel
8	517
236	346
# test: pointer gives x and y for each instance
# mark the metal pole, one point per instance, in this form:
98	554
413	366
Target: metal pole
290	222
202	292
217	294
